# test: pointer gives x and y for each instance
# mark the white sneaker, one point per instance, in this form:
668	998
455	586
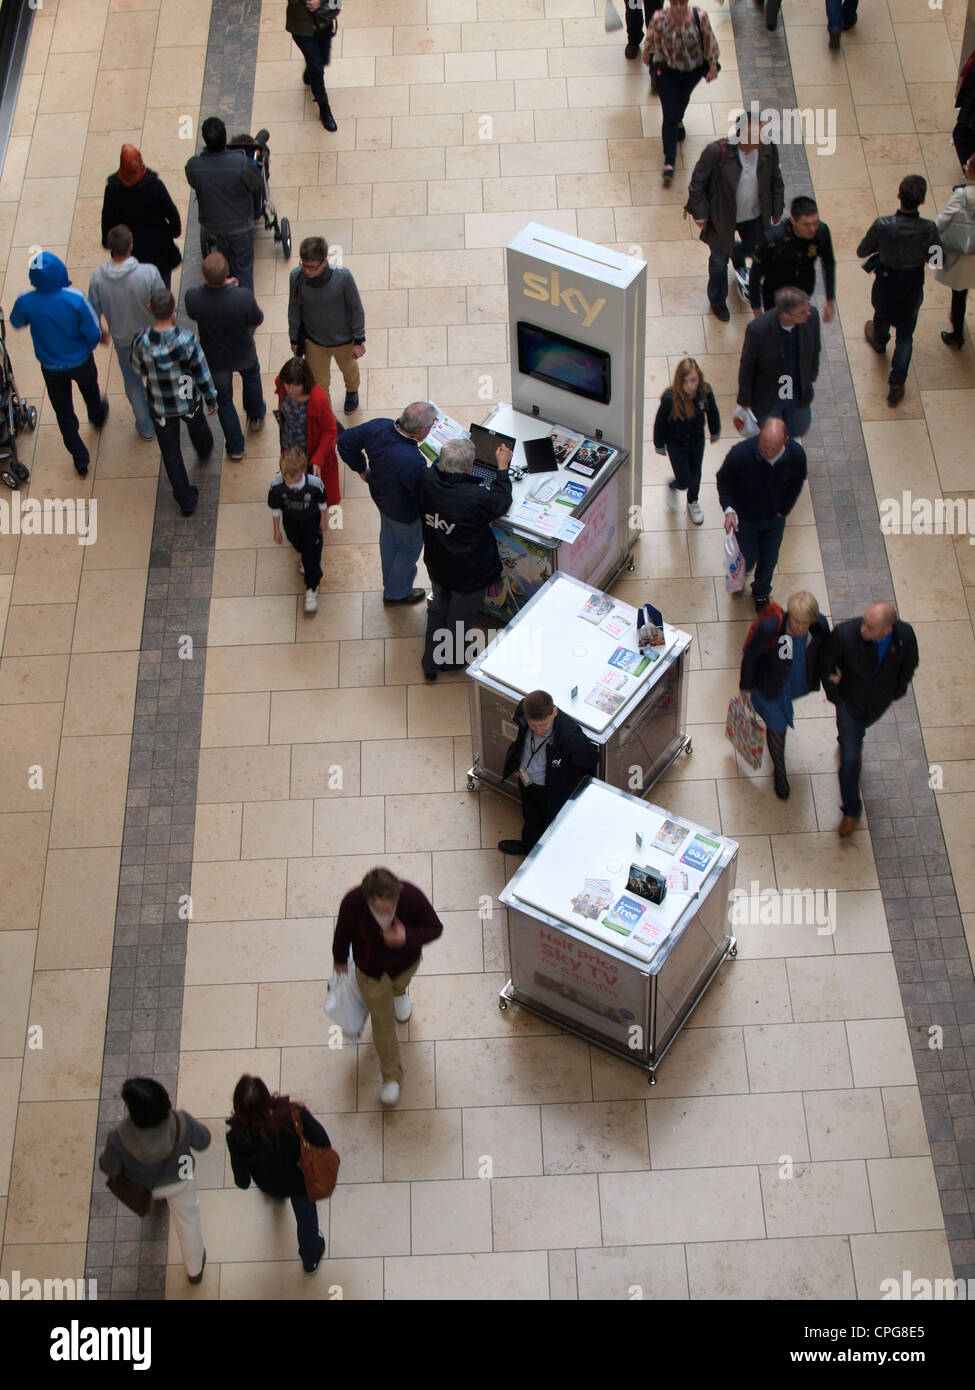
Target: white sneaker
389	1092
697	514
311	601
402	1007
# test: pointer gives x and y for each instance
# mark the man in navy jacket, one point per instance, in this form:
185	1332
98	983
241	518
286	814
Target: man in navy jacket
385	453
758	485
551	755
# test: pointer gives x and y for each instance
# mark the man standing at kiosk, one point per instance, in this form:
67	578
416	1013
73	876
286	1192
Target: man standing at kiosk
551	756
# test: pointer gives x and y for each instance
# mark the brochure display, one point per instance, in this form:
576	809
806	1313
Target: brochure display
583	647
573	520
618	922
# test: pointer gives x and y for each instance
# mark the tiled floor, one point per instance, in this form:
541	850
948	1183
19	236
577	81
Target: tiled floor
804	1139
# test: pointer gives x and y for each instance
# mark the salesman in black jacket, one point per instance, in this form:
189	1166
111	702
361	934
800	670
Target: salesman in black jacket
551	755
780	362
459	549
758	485
870	661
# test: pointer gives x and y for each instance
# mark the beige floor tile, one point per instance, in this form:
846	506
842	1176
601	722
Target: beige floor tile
905	1121
54	1262
956	819
361	663
861	924
881	1258
459	951
233	774
661	1208
100	693
10	1068
46	1178
291	1013
407	766
880	1052
821	860
462	878
16	974
345	1279
466	1006
68	940
346	714
248	1226
806	1056
422	1145
594	1138
627	1272
325	770
435	822
749	991
251	621
235	952
845	1124
372	1219
419	1084
276	829
325	1079
754	1129
545	1213
450	1218
90	799
22	877
851	986
702	1061
505	1277
232	720
517	1071
816	1199
503	1141
207	1079
70	1006
317	886
798	1269
905	1194
110	611
749	805
218	1017
239	890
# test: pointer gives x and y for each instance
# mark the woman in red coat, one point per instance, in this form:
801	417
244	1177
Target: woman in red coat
307	422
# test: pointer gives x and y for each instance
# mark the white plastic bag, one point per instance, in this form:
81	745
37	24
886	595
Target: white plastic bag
744	422
734	564
345	1005
613	21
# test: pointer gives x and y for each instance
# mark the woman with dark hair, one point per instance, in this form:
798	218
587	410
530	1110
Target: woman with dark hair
263	1143
308	423
151	1148
678	431
137	198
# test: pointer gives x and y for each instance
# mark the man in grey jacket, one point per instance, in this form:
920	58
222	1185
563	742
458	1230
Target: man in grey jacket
326	319
119	293
736	187
224	181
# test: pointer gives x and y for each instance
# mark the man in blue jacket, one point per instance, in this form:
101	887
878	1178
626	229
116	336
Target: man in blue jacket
385	453
65	330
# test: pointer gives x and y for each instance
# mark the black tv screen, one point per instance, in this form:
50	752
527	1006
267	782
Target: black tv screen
563	362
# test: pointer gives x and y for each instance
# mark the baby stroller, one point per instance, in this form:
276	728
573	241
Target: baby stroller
15	415
256	148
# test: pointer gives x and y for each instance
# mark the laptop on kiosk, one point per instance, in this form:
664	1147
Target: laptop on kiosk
486	443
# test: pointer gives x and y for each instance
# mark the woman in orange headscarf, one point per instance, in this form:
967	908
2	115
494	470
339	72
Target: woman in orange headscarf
137	198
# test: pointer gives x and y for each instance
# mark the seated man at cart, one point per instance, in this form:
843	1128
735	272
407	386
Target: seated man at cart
551	755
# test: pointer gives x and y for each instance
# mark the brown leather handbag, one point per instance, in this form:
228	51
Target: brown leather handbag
129	1193
319	1167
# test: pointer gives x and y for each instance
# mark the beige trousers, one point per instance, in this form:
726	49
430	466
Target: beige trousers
320	360
379	995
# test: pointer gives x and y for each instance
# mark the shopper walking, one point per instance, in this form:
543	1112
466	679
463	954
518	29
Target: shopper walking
312	25
180	388
459	548
782	660
307	423
137	198
298	503
870	662
841	15
638	13
736	191
550	755
758	485
681	48
224	182
227	315
119	293
385	453
152	1148
787	255
262	1139
65	331
326	319
386	924
780	362
678	432
956	227
898	248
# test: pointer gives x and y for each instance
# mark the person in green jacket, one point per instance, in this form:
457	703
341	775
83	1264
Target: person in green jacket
312	25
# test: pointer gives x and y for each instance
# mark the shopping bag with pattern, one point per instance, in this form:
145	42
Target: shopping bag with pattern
746	732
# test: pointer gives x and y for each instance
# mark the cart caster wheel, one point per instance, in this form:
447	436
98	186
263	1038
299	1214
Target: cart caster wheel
286	238
503	1005
11	479
472	784
32	417
733	953
651	1080
689	747
630	567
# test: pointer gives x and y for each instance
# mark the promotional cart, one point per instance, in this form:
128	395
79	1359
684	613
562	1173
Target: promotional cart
581	646
587	947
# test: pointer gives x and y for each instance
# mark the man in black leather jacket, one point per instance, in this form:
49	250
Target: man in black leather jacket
899	247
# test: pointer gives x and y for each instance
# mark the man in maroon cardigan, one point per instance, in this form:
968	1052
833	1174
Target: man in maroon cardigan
386	922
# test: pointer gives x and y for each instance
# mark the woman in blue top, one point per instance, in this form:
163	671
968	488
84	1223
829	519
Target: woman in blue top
782	660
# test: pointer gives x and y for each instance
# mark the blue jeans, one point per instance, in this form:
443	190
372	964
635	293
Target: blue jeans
797	417
759	542
309	1236
254	406
238	247
840	13
674	88
750	234
897	309
135	389
849	735
400	543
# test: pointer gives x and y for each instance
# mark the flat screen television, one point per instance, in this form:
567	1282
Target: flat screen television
563	362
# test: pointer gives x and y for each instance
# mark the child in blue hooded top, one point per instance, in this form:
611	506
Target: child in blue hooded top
65	330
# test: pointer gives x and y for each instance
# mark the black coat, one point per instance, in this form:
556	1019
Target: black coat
686	434
150	214
766	662
569	756
713	190
759	490
868	689
273	1166
764	362
459	548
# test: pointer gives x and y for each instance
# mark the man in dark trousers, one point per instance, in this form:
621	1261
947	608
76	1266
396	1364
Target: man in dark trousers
386	454
226	315
758	485
780	362
898	248
550	757
870	663
788	255
459	548
638	13
736	191
224	182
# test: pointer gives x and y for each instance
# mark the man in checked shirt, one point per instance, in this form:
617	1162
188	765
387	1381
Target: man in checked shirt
180	388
